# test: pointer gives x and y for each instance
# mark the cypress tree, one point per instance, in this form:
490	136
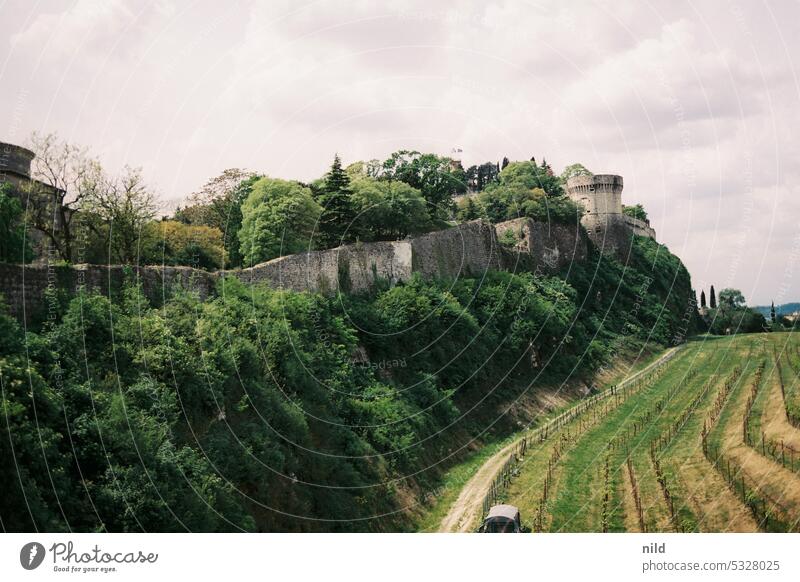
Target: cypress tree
713	298
471	211
338	211
772	312
702	299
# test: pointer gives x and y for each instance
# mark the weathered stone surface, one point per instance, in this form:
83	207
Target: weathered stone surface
551	246
350	268
24	287
466	250
640	227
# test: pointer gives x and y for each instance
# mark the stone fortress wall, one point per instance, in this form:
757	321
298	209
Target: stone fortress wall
465	250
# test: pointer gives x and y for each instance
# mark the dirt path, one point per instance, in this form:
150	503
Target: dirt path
463	515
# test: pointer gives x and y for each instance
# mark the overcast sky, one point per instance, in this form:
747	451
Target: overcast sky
695	104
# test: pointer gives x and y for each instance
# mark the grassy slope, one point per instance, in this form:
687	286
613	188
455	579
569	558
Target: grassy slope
702	498
456	477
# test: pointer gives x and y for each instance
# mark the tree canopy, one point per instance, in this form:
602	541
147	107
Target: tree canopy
278	218
14	245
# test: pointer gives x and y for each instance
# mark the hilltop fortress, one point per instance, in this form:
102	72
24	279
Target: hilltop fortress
465	250
601	197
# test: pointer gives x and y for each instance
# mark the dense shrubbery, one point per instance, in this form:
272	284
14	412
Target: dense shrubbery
522	189
248	408
14	246
733	316
171	242
636	211
278	218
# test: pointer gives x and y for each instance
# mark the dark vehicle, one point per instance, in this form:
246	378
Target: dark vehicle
502	519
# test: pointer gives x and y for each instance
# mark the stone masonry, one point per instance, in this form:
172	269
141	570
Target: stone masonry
466	250
600	196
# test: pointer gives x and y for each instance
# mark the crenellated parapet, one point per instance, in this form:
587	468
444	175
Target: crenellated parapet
600	197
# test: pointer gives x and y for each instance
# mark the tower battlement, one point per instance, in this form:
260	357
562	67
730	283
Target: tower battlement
15	161
600	196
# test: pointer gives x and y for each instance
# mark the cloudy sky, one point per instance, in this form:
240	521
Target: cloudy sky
696	104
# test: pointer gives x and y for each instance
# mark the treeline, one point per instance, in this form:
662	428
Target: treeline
82	214
278	411
730	314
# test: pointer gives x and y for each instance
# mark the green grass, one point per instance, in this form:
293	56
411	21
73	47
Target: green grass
576	502
454	479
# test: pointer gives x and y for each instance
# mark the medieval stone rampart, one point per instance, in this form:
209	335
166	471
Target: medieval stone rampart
466	250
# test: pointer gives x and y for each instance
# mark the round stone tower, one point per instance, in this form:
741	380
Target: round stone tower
600	196
15	160
15	166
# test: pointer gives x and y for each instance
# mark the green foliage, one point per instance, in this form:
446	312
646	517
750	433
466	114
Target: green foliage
637	211
505	202
170	242
436	177
218	205
509	238
526	189
478	177
574	170
733	316
278	218
14	247
336	222
389	210
651	299
530	175
254	407
468	210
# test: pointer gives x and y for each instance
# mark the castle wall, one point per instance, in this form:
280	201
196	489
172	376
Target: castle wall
466	250
15	160
351	268
24	287
551	246
640	227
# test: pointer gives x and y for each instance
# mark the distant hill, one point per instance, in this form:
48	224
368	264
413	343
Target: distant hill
784	309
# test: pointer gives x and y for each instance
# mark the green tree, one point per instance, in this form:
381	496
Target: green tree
170	242
574	170
502	202
469	210
278	218
530	175
732	298
637	211
120	209
14	246
437	178
218	204
478	177
389	210
336	223
712	299
733	316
